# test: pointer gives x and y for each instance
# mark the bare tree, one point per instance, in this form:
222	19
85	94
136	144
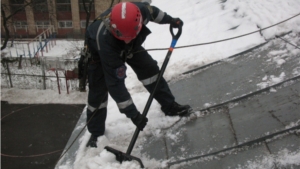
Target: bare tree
6	17
83	62
88	11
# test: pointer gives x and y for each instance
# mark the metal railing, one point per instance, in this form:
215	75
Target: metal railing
46	73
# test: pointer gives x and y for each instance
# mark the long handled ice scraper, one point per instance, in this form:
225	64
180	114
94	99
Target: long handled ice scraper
120	156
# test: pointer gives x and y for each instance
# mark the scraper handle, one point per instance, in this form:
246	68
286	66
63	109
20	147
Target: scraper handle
178	32
160	76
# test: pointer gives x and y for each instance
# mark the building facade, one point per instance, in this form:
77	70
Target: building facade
67	17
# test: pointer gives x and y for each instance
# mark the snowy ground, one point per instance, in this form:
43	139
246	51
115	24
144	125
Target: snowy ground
204	21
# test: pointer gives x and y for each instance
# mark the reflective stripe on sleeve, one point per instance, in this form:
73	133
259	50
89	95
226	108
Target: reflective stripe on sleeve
102	105
149	80
145	22
97	37
123	105
159	17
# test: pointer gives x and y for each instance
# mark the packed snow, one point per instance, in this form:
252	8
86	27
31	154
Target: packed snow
204	21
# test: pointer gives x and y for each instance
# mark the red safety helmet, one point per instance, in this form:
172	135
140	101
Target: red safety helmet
125	21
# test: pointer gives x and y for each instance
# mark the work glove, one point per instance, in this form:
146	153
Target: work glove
176	23
140	121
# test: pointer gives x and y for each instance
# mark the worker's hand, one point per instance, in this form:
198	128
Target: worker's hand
140	121
176	23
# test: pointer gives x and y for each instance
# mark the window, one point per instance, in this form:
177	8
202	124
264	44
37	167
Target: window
82	23
20	24
42	24
63	5
40	7
87	5
17	4
65	24
63	1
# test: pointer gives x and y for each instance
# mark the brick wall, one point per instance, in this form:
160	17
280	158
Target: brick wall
55	16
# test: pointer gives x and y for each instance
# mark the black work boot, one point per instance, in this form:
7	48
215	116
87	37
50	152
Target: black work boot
178	110
92	141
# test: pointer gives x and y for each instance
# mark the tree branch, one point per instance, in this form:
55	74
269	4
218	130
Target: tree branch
6	18
111	4
5	28
20	9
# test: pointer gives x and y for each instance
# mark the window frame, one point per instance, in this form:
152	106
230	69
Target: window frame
20	24
43	8
81	8
65	24
17	5
63	6
82	23
45	24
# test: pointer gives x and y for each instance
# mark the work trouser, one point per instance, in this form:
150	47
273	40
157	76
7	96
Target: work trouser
146	70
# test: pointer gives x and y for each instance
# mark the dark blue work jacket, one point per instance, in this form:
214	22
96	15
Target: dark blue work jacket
112	52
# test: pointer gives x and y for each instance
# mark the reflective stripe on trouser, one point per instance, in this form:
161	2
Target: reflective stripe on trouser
96	119
102	105
127	107
147	72
149	80
125	104
162	95
97	98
